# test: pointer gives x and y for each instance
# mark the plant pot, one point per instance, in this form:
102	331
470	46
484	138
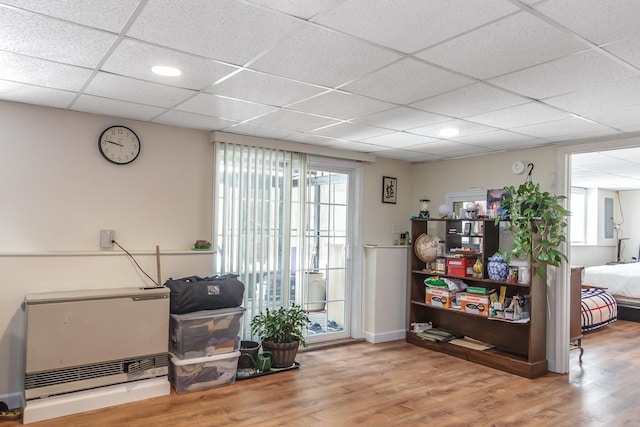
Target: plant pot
283	354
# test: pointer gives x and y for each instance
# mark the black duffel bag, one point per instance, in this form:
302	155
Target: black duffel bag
195	293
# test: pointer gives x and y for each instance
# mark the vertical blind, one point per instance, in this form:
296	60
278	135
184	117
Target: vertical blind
257	214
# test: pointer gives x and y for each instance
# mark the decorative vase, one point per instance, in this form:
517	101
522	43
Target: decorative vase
498	268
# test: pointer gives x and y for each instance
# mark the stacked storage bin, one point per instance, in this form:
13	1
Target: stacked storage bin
203	346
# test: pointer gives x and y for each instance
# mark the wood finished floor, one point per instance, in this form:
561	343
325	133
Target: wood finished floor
396	383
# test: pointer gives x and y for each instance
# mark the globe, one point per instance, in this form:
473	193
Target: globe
426	247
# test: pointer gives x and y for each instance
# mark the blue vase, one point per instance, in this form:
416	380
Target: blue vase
498	268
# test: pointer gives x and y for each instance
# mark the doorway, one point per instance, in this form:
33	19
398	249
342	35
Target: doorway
325	267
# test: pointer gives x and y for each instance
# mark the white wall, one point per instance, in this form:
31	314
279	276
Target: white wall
58	192
378	218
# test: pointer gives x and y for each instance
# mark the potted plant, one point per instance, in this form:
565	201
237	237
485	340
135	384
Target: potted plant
281	333
538	221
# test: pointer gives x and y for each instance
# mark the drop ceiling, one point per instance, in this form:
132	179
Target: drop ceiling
381	77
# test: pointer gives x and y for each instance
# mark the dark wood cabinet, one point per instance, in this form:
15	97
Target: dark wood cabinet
518	347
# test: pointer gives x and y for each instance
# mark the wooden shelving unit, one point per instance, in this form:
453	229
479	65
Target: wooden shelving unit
518	348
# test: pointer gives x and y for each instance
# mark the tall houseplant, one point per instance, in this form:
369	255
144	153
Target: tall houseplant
538	221
281	333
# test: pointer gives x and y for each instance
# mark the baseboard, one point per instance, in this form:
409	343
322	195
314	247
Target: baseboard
13	400
379	337
87	400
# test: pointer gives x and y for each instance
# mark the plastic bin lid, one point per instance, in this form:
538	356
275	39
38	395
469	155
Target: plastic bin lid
179	362
207	314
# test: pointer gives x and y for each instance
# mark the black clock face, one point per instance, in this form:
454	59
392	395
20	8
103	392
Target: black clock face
119	145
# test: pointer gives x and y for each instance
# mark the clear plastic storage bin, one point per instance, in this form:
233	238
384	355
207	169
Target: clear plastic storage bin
203	373
205	333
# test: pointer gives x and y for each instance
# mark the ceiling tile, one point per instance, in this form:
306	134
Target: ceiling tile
520	115
264	88
408	156
398	140
18	92
599	21
256	130
42	37
419	81
341	105
320	56
293	120
465	128
474	99
357	146
110	15
116	108
627	50
564	75
626	154
447	148
562	128
39	72
306	138
488	139
401	118
620	118
504	46
134	59
608	96
226	108
127	89
514	145
423	22
226	30
192	120
304	9
351	131
582	135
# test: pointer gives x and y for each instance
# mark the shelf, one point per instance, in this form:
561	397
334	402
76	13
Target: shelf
519	347
491	357
473	279
463	313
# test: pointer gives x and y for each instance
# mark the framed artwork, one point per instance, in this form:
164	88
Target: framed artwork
389	189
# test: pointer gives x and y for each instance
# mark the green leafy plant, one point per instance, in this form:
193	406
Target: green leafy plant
533	212
281	326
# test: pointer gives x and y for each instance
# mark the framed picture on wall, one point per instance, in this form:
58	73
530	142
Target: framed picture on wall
389	189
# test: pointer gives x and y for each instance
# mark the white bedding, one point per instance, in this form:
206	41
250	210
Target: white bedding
620	279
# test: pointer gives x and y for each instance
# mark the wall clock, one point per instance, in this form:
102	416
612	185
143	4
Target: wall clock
517	167
119	145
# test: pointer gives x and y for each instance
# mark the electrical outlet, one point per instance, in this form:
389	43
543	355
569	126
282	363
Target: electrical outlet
395	228
106	238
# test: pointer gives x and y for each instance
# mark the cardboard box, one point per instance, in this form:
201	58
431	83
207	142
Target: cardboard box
462	267
439	297
475	304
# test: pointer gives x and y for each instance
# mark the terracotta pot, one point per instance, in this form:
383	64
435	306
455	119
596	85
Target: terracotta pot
283	354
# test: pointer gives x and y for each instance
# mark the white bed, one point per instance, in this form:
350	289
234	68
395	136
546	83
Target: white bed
620	280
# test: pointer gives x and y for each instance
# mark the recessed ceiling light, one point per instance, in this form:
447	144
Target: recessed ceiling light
165	70
448	132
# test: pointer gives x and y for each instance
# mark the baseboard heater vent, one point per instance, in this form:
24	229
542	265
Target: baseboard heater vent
42	384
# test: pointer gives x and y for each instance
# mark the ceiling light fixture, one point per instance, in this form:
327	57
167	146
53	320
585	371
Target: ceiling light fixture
165	70
448	132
